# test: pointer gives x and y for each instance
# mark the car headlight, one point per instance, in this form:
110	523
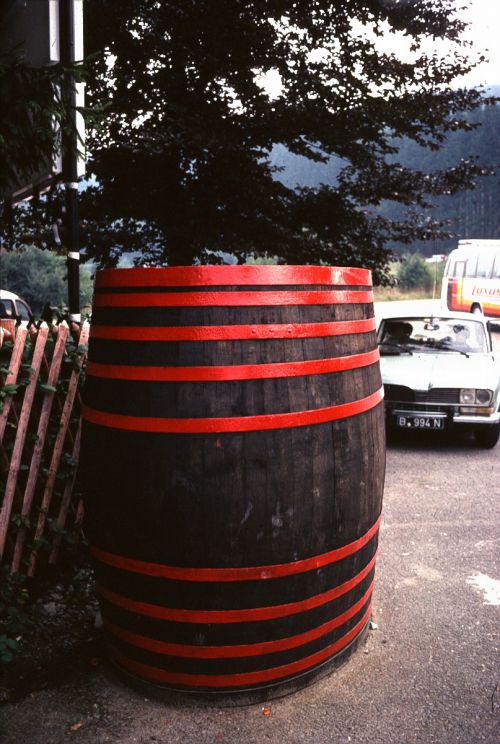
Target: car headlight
483	397
467	396
471	397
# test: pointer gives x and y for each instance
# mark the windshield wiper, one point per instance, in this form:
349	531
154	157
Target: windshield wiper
444	350
399	347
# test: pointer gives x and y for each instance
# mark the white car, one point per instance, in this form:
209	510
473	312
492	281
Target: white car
440	373
12	307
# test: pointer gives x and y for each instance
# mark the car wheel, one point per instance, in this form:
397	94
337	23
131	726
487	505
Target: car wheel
476	310
488	435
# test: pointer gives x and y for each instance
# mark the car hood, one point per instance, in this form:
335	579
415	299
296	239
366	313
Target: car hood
425	371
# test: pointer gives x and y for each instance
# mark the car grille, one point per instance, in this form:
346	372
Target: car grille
438	395
402	394
398	393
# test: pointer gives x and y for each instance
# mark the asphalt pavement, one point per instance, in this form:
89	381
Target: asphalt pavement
427	673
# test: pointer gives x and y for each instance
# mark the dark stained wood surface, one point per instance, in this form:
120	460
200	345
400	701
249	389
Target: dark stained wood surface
231	500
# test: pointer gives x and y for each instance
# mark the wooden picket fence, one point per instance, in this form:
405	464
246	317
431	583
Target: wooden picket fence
41	372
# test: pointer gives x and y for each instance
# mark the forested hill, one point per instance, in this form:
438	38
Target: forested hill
474	214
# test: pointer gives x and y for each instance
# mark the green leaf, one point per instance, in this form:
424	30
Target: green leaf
47	388
10	389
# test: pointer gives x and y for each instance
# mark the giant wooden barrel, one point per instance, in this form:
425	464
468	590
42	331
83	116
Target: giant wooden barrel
233	463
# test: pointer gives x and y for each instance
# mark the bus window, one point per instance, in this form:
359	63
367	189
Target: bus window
484	263
495	274
471	266
458	269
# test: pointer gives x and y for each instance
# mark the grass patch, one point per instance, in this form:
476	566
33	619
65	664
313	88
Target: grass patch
386	294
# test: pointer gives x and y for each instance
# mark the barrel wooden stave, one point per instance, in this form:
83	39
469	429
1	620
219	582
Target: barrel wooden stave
235	493
226	500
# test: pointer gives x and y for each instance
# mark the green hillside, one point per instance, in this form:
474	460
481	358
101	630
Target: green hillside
470	214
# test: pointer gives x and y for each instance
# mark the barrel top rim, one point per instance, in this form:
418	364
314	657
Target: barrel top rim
233	275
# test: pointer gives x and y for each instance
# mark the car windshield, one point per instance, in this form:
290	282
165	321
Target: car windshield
7	309
398	335
22	310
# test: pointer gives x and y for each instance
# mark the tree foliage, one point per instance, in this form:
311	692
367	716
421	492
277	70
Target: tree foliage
36	112
39	277
183	168
414	272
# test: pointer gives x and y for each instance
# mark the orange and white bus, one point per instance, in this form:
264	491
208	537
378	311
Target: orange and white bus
471	280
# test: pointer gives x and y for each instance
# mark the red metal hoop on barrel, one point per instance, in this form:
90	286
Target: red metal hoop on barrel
233	465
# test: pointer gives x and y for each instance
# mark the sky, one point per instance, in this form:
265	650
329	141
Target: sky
484	33
484	17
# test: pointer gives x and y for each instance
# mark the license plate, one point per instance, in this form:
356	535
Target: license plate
420	422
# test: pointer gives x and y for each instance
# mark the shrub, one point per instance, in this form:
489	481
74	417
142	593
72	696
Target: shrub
414	273
40	276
